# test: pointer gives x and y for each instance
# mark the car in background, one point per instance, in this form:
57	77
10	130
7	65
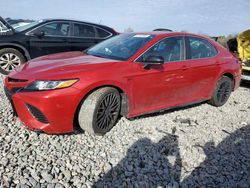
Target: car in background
239	46
38	38
130	75
243	46
162	29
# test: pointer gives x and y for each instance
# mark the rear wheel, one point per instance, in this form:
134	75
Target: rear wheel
100	110
222	91
10	59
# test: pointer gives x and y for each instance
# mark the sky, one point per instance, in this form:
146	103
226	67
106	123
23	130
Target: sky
212	17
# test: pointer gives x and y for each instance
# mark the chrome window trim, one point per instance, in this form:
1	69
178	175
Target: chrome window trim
110	34
184	36
29	32
73	22
165	62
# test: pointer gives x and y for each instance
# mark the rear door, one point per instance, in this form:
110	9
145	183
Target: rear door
55	38
83	36
201	67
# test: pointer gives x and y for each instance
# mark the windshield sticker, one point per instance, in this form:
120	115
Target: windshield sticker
141	36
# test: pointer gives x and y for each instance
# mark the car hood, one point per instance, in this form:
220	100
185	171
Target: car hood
60	66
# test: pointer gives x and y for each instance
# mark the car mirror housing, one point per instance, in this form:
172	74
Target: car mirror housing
39	34
153	60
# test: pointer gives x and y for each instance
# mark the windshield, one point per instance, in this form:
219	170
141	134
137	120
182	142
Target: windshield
120	47
25	26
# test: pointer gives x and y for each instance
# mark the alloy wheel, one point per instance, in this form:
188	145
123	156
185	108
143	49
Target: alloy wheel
223	92
108	111
9	61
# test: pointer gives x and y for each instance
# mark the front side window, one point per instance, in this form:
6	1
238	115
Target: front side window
200	48
82	30
171	49
120	47
54	29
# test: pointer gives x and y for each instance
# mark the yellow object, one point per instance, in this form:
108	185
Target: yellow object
243	41
66	83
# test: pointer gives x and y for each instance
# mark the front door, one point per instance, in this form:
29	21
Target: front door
50	38
163	85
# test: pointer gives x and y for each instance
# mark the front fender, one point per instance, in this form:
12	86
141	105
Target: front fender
26	53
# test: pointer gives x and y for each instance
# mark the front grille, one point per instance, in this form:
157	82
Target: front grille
37	114
16	80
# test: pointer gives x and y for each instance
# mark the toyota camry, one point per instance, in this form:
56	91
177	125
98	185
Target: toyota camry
127	75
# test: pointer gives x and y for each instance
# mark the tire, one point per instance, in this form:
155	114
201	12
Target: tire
222	91
10	59
99	111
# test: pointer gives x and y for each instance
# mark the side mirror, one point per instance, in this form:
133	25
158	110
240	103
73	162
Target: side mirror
39	34
153	60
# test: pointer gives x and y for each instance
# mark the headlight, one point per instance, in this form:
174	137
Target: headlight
41	85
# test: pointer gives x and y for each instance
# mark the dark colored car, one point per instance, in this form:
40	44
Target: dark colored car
38	38
129	74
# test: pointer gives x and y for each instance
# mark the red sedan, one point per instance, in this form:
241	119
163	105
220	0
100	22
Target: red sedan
129	75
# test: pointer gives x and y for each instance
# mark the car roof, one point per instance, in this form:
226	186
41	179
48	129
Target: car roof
162	34
170	33
73	20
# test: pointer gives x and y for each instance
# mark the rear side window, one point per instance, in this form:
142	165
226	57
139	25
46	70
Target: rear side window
200	48
55	29
82	30
102	33
171	49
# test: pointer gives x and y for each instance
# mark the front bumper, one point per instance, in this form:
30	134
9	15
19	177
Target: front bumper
58	107
8	95
237	80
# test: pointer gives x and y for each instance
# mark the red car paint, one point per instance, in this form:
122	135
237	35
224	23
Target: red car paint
161	87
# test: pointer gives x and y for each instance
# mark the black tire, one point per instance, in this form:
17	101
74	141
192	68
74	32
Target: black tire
100	110
10	58
222	91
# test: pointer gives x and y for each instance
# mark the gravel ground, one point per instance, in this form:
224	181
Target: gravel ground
200	146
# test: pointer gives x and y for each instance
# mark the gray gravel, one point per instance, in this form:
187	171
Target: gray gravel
201	146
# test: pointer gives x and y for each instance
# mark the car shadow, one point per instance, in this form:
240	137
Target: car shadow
146	165
149	164
226	165
78	130
166	111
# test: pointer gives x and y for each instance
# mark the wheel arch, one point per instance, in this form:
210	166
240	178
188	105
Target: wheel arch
18	47
231	76
124	101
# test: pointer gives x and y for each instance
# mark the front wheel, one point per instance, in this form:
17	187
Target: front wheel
10	59
222	91
100	110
